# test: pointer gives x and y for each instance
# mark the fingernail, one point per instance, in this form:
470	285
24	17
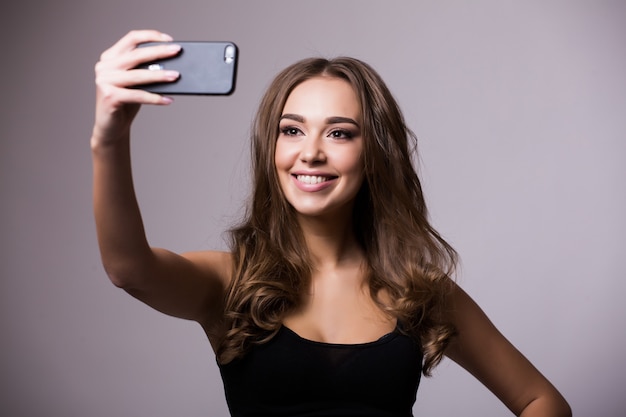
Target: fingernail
172	75
173	47
166	37
166	100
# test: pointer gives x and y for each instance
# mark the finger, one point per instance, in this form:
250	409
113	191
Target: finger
122	78
115	97
148	54
132	39
145	97
131	59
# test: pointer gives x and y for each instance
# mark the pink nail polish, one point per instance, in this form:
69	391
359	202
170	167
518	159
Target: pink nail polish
172	75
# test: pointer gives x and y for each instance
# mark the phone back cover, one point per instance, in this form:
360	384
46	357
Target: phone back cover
204	67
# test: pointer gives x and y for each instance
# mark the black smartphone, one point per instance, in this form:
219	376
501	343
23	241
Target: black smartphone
206	68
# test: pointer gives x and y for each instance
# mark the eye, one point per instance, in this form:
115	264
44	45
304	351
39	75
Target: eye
290	131
341	134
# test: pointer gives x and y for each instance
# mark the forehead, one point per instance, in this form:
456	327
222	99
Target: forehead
324	97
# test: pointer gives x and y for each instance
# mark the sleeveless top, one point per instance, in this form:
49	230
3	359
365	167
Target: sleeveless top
292	376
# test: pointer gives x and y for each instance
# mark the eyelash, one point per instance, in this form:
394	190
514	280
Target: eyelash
345	134
290	131
335	134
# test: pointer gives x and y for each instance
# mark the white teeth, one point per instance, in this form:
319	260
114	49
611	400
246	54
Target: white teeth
311	179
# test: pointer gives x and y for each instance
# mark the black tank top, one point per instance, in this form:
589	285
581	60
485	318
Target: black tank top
292	376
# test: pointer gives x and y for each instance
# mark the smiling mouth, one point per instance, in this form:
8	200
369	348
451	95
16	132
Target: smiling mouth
312	179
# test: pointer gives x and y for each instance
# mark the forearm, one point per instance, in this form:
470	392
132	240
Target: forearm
123	246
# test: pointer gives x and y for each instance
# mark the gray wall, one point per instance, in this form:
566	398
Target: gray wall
520	109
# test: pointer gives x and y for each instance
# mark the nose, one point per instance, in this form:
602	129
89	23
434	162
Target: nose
312	150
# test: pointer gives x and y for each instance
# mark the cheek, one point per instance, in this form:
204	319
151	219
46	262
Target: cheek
283	156
282	165
280	176
279	159
358	169
354	162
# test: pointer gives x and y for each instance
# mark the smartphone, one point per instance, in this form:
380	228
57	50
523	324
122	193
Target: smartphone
206	68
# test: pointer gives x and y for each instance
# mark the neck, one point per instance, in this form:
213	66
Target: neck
331	242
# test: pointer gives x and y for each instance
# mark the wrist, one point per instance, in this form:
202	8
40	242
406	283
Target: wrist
100	141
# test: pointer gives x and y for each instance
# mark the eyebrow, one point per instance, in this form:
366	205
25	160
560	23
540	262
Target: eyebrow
329	120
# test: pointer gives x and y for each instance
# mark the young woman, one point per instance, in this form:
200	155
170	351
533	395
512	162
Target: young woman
336	294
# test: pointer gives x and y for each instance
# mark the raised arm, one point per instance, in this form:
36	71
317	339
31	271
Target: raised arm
482	350
188	286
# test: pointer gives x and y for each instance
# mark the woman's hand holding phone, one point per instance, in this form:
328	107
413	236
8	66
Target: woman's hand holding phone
116	103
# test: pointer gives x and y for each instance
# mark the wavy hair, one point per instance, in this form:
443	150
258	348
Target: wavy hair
406	257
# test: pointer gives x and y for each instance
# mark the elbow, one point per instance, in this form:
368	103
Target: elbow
562	410
561	406
121	277
565	410
129	272
118	279
555	406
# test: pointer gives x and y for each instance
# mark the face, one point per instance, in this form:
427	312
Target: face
319	148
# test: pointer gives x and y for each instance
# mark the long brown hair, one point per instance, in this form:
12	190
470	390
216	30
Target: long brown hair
406	257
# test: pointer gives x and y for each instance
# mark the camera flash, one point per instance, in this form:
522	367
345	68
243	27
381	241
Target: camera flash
229	54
